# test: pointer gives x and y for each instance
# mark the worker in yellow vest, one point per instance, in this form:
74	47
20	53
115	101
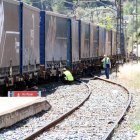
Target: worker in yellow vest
67	77
106	65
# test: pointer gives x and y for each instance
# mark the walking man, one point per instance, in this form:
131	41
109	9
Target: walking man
106	65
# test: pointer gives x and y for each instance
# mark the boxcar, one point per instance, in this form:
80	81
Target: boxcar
94	41
56	39
84	40
108	43
9	38
102	43
75	41
31	52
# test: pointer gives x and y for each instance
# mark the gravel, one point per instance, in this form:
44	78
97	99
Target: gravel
127	130
95	117
92	121
62	100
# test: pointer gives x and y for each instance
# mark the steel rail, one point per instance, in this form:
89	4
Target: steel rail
38	132
54	123
120	118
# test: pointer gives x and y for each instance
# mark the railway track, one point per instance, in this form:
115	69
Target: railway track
106	126
62	98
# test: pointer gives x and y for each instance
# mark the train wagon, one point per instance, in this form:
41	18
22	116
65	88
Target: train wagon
30	43
9	43
56	46
36	44
102	42
9	38
94	36
19	43
56	39
84	40
75	41
108	43
75	52
113	43
31	33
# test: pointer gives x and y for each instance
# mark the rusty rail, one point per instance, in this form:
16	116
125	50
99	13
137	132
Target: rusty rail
54	123
111	131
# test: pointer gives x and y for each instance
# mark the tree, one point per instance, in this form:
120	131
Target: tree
128	8
27	1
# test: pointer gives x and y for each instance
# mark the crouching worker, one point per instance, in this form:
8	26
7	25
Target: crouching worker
67	77
106	65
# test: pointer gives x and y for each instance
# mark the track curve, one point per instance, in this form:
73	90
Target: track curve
110	133
60	119
52	124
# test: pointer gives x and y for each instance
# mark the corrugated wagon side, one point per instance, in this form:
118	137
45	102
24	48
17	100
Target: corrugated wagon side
102	42
75	51
30	55
31	23
9	44
55	44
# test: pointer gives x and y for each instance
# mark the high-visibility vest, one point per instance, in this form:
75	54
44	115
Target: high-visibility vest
68	76
106	61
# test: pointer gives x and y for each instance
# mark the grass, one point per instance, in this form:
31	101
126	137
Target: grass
131	72
136	80
135	120
135	127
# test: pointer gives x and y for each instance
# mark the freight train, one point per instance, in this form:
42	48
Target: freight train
36	45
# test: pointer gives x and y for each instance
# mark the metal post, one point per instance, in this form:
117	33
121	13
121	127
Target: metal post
126	51
122	49
133	39
126	47
119	31
117	41
137	28
135	13
120	16
41	5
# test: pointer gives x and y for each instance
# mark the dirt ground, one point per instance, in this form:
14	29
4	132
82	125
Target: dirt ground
131	73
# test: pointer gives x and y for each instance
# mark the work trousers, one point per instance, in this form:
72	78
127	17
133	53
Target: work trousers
107	71
64	80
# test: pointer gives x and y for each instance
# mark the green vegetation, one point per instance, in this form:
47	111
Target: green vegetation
102	16
128	8
136	127
137	81
27	1
108	23
130	13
